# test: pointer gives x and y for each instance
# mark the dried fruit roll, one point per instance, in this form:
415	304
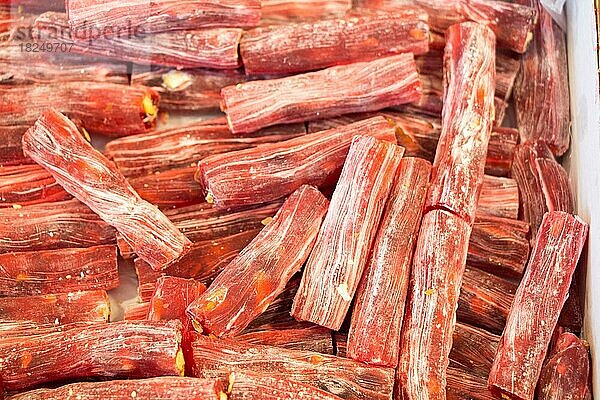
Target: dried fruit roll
310	338
539	299
307	46
184	146
271	171
48	226
286	10
189	90
498	197
436	277
340	254
248	386
543	183
172	188
204	222
172	296
463	384
137	312
55	143
542	87
248	284
566	371
58	271
116	350
379	306
473	349
499	246
205	48
101	107
485	299
203	262
91	18
348	379
458	169
26	315
368	86
148	389
419	135
28	184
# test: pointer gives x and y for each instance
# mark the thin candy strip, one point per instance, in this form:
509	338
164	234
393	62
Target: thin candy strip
55	143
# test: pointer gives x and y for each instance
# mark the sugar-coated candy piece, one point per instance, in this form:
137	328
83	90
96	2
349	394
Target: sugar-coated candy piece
172	296
498	197
485	299
48	226
55	143
537	305
501	150
566	370
436	277
378	312
92	18
341	252
249	386
137	312
298	336
348	379
542	88
160	388
458	168
367	86
58	271
272	171
28	184
28	315
311	45
248	284
119	349
473	349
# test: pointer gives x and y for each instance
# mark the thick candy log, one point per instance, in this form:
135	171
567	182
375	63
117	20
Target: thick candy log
48	226
189	90
203	262
499	246
28	184
458	169
271	171
172	296
248	284
100	107
249	386
542	87
92	18
436	277
58	271
566	371
289	10
501	150
310	338
367	86
485	299
499	197
473	349
172	188
204	48
348	379
164	387
55	143
31	314
119	349
378	312
341	252
537	305
184	146
307	46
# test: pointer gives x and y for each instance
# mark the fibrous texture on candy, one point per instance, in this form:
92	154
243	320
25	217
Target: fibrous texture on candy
55	143
537	305
336	264
367	86
172	296
28	184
